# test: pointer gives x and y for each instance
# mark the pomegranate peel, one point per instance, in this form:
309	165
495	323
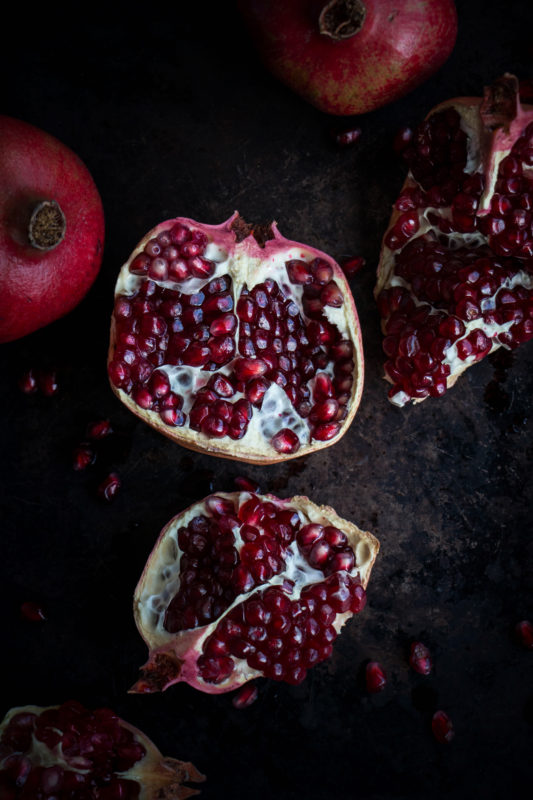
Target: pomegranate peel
52	231
351	57
454	276
235	341
70	751
241	585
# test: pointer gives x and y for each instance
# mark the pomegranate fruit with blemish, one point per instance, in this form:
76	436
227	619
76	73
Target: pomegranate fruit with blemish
351	56
71	753
455	278
51	229
241	585
235	341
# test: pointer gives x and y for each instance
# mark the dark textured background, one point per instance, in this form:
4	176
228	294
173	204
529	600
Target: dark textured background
173	115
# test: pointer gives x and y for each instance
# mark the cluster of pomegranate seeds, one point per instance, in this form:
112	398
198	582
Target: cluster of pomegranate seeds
465	285
94	745
420	658
278	636
183	319
375	677
442	727
281	629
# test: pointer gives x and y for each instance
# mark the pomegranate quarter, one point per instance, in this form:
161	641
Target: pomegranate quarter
68	752
234	341
241	585
455	278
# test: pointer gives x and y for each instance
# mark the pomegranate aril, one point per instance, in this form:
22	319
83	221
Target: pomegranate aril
109	487
47	382
442	727
32	612
245	696
375	677
420	658
83	456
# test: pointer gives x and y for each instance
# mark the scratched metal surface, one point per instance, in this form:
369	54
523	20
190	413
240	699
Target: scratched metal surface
174	116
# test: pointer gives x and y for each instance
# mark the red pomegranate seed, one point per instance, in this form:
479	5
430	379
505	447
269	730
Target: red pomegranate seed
420	658
99	429
246	484
285	441
109	487
346	137
83	456
351	266
524	633
32	612
442	728
245	696
375	677
331	295
47	381
28	382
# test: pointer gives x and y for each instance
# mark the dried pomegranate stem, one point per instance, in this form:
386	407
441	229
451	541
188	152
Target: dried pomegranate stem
342	19
47	225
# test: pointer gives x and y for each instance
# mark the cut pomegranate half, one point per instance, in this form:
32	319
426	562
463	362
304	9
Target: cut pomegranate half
242	585
67	751
235	341
455	278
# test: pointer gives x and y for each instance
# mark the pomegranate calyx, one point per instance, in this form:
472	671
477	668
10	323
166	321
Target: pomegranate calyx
47	225
160	671
262	232
342	19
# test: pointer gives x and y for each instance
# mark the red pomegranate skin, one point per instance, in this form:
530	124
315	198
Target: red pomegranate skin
39	286
397	47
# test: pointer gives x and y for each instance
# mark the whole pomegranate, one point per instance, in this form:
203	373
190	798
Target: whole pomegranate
234	341
351	56
241	585
65	752
455	277
51	229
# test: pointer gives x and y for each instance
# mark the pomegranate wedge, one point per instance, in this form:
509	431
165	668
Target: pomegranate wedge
70	753
455	278
242	585
235	341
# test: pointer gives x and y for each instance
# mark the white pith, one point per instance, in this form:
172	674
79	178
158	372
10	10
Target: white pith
277	412
471	123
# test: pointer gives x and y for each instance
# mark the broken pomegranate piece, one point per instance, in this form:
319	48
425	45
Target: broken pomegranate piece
68	752
236	342
455	278
242	585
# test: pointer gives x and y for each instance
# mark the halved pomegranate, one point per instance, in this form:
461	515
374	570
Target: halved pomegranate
455	278
65	752
242	585
235	341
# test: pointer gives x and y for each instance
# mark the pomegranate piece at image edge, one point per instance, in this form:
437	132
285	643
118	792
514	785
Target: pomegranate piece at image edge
241	585
351	57
51	234
69	752
235	341
455	278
